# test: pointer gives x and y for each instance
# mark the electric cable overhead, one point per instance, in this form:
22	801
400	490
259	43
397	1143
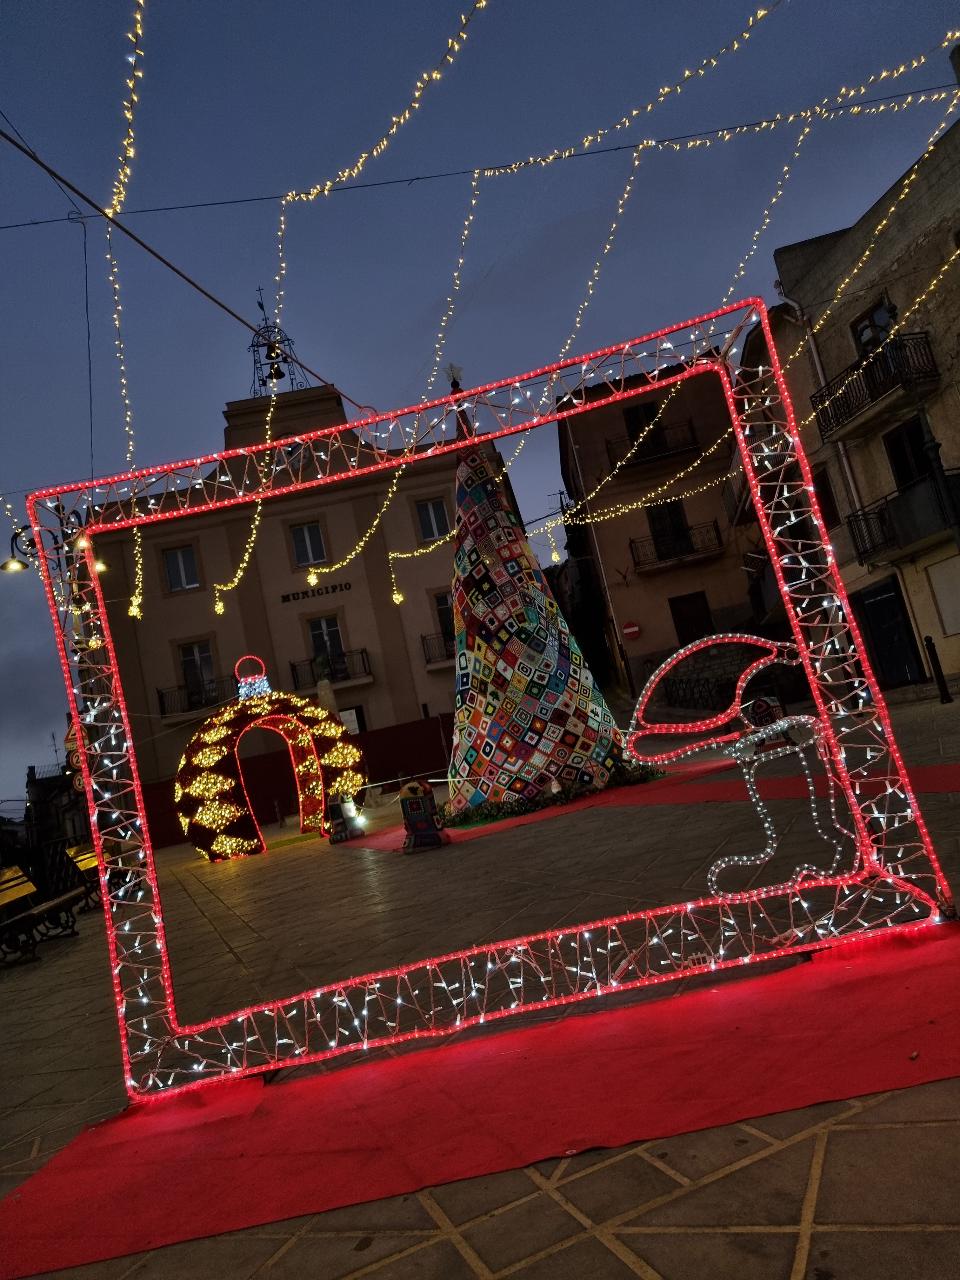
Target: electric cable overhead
570	516
159	257
672	142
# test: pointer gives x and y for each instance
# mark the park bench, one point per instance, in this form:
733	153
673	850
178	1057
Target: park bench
27	916
84	859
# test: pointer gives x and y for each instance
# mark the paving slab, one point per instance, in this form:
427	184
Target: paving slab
780	1196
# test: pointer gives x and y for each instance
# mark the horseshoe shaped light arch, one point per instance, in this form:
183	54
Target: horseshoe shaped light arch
212	802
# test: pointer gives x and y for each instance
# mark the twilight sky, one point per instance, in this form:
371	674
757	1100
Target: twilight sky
246	99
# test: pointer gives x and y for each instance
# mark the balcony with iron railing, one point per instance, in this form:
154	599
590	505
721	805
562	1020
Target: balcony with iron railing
901	523
185	699
662	441
350	665
698	542
873	390
438	648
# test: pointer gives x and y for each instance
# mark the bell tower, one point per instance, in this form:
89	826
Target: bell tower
273	358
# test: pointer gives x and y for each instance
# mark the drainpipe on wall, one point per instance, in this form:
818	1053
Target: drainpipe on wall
802	319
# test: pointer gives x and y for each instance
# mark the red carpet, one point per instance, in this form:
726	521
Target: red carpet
685	784
861	1018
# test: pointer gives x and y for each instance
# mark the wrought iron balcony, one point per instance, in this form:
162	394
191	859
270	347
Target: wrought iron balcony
439	647
859	395
183	699
900	522
351	664
661	442
697	542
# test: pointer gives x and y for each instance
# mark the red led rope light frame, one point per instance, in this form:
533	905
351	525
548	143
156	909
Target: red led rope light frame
161	1055
642	728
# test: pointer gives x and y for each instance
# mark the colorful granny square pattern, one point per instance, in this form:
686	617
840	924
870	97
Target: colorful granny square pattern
522	685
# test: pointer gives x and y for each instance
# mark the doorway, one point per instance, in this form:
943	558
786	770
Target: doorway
691	615
267	776
888	635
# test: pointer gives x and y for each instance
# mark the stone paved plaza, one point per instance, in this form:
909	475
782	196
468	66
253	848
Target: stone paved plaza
850	1190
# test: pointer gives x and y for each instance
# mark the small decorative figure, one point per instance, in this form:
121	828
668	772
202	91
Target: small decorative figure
343	820
421	818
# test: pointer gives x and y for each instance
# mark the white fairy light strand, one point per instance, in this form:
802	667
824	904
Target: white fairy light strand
819	109
881	226
454	45
655	497
708	63
127	147
440	341
120	185
590	139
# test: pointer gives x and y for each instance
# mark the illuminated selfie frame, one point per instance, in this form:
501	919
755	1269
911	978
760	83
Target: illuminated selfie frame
895	884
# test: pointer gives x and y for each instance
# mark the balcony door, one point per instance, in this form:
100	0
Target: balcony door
443	603
196	665
873	326
669	530
325	640
907	454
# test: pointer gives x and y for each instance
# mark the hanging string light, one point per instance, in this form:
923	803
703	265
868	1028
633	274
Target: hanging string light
661	494
440	341
396	594
454	45
352	171
931	287
571	515
824	112
264	466
843	97
767	214
127	147
806	114
843	94
120	185
811	113
591	139
134	609
884	222
707	64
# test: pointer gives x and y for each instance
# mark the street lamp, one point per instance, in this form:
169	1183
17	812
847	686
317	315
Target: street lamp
20	546
25	552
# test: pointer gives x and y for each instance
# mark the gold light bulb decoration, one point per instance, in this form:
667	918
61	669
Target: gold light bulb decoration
209	794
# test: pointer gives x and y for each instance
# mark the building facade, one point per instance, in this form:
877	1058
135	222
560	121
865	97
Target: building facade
884	434
667	573
391	668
